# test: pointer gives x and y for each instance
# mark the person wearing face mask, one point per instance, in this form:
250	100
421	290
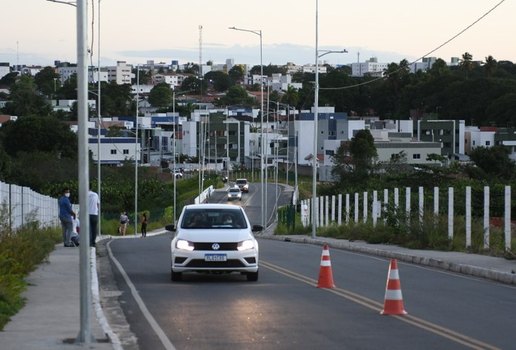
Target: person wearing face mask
66	216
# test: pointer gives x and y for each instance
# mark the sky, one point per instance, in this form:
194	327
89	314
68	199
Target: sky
38	32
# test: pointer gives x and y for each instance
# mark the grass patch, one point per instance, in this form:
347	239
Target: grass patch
20	253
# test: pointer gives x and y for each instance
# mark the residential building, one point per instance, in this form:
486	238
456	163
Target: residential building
450	133
370	67
507	137
121	73
478	137
4	69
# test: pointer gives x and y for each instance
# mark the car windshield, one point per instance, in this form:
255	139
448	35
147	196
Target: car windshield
237	190
241	182
213	219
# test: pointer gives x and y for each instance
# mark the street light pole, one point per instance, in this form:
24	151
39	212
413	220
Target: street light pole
136	153
99	125
316	118
259	33
85	334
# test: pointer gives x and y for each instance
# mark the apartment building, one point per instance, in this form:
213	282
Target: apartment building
121	73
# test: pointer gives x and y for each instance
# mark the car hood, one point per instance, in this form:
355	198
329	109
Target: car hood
219	235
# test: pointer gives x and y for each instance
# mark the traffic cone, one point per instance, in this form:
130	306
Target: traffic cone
325	274
393	299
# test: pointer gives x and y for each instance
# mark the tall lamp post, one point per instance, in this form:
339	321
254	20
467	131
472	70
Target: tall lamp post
99	118
85	333
316	117
136	153
259	33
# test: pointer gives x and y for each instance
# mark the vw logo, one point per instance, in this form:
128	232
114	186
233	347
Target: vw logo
215	246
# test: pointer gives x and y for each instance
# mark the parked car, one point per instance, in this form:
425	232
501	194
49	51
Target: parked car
234	193
214	238
243	185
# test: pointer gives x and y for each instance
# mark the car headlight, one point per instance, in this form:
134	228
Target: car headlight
184	245
246	245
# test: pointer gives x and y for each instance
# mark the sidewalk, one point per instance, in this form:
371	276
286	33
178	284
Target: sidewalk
50	319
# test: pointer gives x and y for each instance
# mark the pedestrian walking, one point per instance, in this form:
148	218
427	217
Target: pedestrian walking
124	220
144	225
66	216
93	207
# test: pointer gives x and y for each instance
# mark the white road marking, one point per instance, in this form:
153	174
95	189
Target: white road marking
143	308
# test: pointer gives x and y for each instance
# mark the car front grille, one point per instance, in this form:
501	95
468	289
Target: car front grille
209	246
215	264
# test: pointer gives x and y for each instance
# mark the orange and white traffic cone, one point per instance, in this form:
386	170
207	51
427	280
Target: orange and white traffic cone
393	299
325	273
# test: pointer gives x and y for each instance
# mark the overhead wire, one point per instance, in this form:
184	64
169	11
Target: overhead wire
420	58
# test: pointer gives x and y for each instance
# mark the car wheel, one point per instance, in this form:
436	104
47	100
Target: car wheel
252	276
175	276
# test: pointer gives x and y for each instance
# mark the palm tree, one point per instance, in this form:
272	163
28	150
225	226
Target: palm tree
466	63
490	66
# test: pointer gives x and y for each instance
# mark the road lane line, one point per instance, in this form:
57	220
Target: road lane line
143	308
376	306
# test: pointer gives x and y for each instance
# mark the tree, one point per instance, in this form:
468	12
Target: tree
236	95
25	99
220	80
490	66
47	81
45	134
363	151
161	95
354	159
236	73
116	99
291	97
494	161
193	84
9	79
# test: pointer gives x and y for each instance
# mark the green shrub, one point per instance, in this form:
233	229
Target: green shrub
20	253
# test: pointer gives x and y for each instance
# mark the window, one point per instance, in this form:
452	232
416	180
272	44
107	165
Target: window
488	143
416	156
126	151
113	151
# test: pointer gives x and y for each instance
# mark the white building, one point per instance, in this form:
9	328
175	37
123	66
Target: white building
370	67
115	150
121	73
174	80
4	69
478	137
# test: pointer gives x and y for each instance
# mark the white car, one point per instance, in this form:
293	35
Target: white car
214	238
243	184
234	193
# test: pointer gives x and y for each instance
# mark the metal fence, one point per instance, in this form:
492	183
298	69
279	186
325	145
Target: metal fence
21	205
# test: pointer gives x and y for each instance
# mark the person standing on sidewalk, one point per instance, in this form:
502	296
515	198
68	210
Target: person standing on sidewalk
66	216
93	207
144	225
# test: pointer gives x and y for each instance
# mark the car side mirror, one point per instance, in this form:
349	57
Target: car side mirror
257	228
170	227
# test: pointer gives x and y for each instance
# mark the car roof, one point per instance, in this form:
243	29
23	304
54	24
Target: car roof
242	179
212	206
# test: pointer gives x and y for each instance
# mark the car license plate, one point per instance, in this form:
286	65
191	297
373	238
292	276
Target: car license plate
215	257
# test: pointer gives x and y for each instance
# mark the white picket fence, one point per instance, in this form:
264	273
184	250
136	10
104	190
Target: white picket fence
21	205
329	210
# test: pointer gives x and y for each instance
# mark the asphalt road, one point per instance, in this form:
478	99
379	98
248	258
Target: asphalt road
285	310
